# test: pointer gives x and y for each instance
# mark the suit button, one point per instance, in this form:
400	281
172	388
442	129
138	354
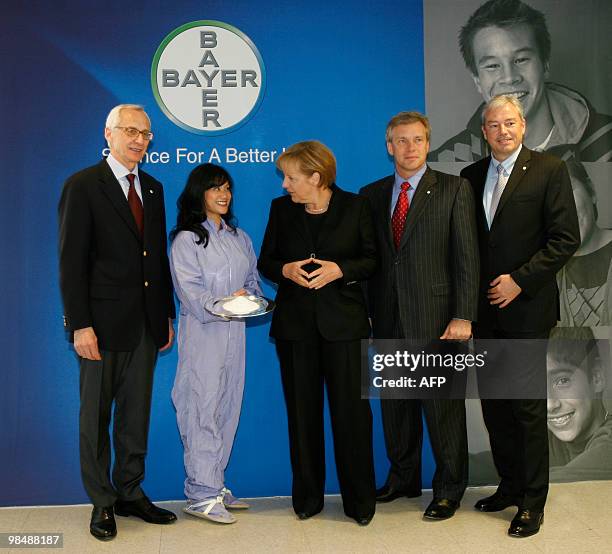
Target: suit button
144	253
146	283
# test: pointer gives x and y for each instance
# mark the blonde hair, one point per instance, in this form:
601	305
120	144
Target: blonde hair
311	156
404	118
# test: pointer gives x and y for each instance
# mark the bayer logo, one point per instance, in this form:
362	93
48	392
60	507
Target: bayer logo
208	77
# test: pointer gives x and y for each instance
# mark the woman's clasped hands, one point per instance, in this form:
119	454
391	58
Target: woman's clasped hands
316	279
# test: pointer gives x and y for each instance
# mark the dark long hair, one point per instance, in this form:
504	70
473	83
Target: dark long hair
190	204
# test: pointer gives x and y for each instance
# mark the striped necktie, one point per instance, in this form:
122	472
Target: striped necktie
497	192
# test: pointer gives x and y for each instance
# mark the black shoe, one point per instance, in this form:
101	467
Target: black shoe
388	493
307	514
496	502
526	523
102	525
364	520
441	508
145	510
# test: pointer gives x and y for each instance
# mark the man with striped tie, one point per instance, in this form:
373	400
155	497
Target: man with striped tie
527	229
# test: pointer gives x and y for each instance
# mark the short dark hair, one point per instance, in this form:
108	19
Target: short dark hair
503	13
575	346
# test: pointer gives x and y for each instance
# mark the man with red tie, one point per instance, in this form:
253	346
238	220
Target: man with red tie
426	287
118	307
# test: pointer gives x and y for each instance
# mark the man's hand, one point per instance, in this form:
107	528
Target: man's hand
294	271
170	336
86	344
457	329
503	290
328	272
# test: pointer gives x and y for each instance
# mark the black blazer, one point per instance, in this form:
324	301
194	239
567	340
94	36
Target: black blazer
346	237
534	233
110	278
433	276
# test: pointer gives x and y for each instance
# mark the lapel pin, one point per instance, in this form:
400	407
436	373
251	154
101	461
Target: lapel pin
428	192
524	168
152	191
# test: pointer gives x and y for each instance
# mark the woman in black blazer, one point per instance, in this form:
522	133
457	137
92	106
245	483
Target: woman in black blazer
319	244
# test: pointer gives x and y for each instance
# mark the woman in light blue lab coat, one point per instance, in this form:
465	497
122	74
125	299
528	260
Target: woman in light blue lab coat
210	258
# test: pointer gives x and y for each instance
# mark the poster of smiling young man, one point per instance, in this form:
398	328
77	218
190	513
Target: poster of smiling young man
579	422
534	50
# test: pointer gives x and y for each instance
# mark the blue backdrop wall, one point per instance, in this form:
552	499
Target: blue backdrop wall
334	72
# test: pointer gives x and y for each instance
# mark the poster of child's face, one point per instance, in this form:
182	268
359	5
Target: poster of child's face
575	383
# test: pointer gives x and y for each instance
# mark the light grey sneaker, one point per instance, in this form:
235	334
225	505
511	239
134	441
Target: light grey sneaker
231	502
212	509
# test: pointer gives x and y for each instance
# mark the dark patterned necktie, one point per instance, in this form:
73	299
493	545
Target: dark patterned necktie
398	219
135	204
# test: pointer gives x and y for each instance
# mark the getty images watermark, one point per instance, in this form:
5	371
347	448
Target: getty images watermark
511	368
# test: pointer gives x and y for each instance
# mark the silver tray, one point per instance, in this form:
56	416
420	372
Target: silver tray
265	306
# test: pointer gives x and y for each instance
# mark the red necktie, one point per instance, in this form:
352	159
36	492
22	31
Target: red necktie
135	204
398	220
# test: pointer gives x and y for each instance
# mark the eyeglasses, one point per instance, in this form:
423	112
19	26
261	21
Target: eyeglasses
132	132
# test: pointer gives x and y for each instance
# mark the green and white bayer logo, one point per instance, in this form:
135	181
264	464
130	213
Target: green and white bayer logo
208	77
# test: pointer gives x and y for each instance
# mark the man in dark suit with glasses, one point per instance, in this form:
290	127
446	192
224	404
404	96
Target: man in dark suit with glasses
118	307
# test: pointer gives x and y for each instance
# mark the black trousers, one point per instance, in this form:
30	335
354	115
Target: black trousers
125	378
518	432
306	366
403	429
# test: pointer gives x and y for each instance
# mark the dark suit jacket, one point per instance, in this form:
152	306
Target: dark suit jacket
533	234
433	276
346	237
104	264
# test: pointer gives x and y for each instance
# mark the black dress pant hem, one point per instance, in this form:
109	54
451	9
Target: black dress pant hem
124	379
306	367
518	431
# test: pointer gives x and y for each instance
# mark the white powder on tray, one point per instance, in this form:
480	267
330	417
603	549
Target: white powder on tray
241	305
